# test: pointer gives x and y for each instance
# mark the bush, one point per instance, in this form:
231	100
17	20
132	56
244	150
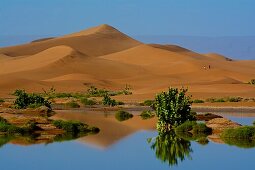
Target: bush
88	102
108	101
186	126
245	132
122	115
173	108
72	104
201	128
148	102
1	100
215	100
25	100
203	141
71	126
198	101
234	99
147	114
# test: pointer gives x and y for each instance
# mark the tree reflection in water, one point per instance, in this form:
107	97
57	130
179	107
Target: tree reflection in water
170	148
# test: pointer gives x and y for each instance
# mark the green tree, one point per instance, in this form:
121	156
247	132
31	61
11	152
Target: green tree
173	108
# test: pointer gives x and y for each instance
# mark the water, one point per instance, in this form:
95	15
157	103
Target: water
126	148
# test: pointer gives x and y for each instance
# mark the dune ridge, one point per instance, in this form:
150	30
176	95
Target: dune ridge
105	57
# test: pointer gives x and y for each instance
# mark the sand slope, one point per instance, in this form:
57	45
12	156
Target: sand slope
105	57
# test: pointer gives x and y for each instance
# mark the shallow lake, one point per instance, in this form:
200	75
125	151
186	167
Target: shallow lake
131	144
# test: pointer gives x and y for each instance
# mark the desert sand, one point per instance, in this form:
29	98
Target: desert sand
105	57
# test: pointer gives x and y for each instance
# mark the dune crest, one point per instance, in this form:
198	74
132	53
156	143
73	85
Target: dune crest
105	57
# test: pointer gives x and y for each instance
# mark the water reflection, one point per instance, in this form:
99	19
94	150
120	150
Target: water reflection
39	139
170	148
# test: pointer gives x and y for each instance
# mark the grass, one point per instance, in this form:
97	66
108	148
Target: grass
147	114
226	99
245	132
243	137
215	100
198	101
88	102
185	127
148	102
194	128
71	126
122	115
8	128
72	104
203	141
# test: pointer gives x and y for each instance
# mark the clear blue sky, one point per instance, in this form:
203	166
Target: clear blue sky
134	17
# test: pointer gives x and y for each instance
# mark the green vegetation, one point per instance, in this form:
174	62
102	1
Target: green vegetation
72	104
198	101
147	114
226	99
234	99
74	126
8	128
243	137
203	141
25	100
194	128
215	100
252	82
254	123
148	103
173	108
108	101
245	132
1	100
122	115
88	102
170	148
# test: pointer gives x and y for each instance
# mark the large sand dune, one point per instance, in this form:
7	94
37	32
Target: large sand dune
105	57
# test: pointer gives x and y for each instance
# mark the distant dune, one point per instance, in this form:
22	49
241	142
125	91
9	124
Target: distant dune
105	57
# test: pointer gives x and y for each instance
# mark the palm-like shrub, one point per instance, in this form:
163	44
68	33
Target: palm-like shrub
173	108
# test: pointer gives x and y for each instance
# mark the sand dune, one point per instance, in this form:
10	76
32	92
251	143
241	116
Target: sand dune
105	57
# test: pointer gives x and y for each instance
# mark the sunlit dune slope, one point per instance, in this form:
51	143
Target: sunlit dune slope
105	57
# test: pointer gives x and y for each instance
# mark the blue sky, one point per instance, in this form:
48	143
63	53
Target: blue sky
134	17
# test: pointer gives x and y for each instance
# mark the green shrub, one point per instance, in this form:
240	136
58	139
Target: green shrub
88	102
10	129
122	115
234	99
215	100
72	104
198	101
148	102
173	108
71	126
108	101
25	100
203	141
201	128
147	114
1	100
245	132
186	126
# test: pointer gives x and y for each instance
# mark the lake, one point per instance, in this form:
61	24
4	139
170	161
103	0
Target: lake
126	145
